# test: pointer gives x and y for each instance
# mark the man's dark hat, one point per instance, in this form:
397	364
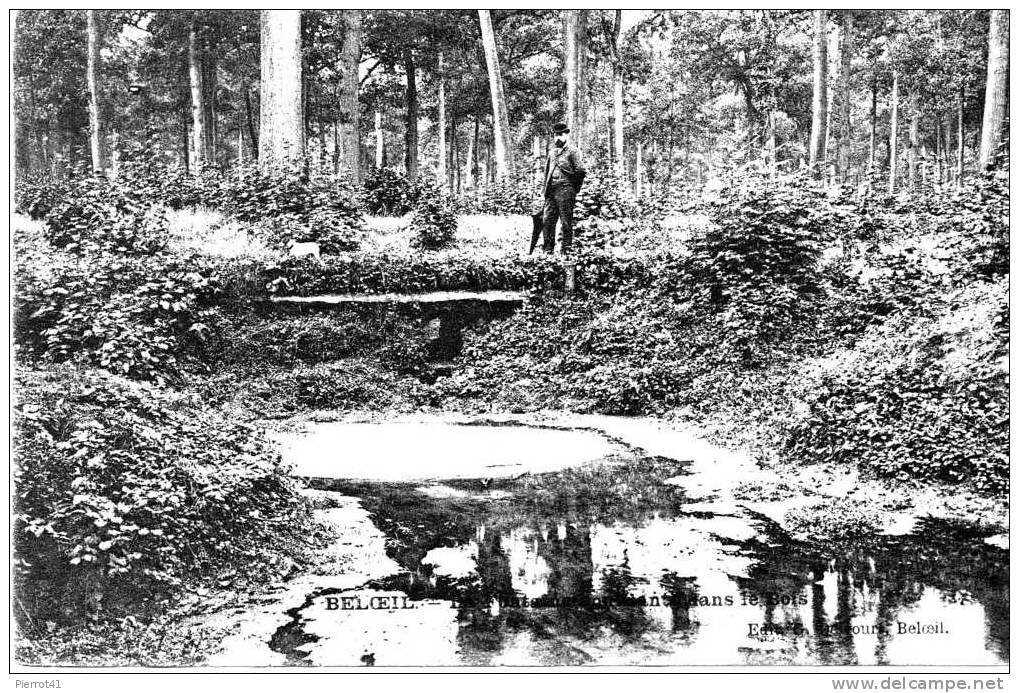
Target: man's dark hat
560	128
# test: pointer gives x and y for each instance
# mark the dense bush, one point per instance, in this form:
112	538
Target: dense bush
607	196
757	263
975	220
918	397
514	195
134	316
126	494
88	214
388	191
292	205
434	222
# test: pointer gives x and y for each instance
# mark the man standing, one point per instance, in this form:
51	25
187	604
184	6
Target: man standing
564	174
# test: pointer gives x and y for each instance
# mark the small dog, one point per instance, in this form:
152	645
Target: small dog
309	248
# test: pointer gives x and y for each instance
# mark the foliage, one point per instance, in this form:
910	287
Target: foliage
512	195
127	642
89	214
922	398
349	384
126	493
757	263
840	519
388	191
452	270
434	222
134	316
607	196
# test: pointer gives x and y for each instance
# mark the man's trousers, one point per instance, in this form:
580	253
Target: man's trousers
558	207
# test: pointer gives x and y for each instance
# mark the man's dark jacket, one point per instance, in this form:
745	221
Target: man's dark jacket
569	161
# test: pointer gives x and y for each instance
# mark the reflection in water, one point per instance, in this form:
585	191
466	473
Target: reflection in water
602	565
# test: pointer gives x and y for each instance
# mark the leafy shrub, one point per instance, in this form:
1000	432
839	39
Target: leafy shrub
976	221
606	196
388	191
513	195
757	264
922	398
96	214
320	208
132	316
38	194
434	222
125	494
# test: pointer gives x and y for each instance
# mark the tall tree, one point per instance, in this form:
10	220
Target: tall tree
893	134
95	108
411	133
380	147
819	108
960	138
442	120
281	137
500	116
996	89
845	95
200	126
617	94
575	73
349	137
913	143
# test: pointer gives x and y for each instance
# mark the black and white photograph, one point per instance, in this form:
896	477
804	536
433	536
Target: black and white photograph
510	341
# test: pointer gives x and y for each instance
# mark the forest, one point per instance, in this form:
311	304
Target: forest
667	102
792	239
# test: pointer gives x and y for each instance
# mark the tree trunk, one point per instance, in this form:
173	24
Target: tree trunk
617	95
471	165
208	67
913	145
380	152
453	166
349	138
500	115
442	120
960	140
893	136
638	172
845	129
819	108
252	133
94	105
199	112
185	121
575	48
872	162
944	130
281	136
995	98
411	135
771	150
